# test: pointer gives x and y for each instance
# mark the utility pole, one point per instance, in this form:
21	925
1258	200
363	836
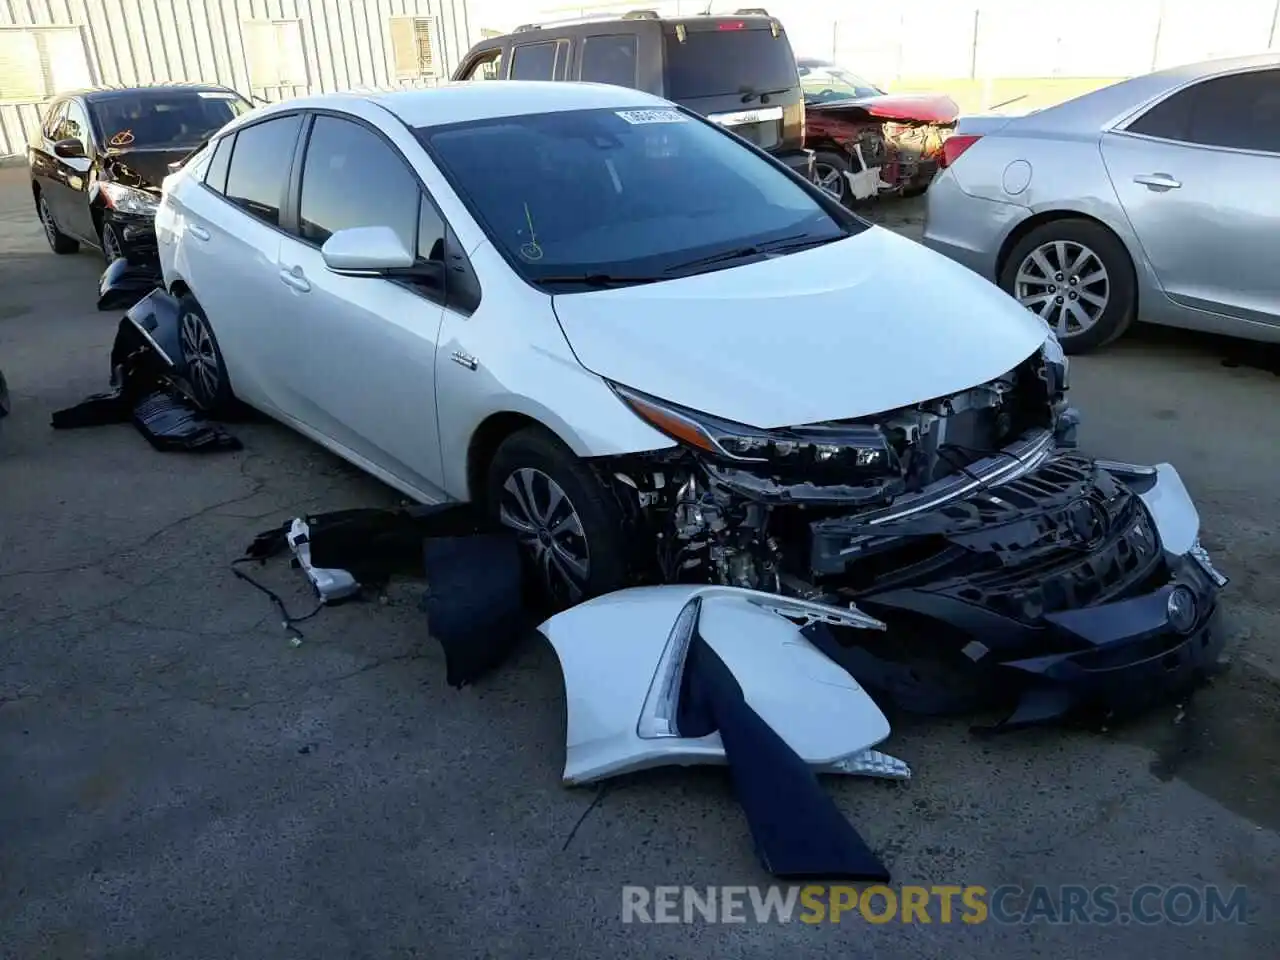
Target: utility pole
1275	19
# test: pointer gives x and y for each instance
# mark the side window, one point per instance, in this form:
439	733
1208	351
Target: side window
259	167
76	124
1241	111
490	68
431	231
609	60
534	61
215	174
353	178
53	120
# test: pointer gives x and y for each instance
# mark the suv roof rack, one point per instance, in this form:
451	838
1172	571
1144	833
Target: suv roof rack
751	12
641	15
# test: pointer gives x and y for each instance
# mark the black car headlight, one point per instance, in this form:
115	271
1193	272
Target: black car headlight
129	200
839	447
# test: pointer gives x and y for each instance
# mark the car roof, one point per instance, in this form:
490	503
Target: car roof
478	100
1101	108
97	94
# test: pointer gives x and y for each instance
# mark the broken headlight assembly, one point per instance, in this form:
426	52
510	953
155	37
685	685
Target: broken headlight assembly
848	449
129	200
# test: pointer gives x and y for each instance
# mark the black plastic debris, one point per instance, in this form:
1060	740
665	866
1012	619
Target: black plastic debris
148	387
170	422
798	831
124	283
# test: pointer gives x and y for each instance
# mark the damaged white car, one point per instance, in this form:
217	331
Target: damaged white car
657	355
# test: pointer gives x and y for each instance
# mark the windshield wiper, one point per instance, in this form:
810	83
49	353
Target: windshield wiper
749	94
798	242
597	280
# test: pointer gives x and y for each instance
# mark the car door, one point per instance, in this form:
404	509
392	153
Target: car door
76	175
228	249
362	349
610	58
42	157
1197	174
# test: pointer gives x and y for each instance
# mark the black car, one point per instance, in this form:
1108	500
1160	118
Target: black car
100	156
736	70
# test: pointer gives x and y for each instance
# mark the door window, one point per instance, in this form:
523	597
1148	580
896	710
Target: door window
53	122
490	68
1241	111
609	60
353	178
76	124
215	175
534	61
259	170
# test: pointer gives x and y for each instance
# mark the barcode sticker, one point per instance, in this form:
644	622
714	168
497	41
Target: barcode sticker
652	116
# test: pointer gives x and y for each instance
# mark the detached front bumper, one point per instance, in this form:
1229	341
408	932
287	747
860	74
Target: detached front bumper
1081	589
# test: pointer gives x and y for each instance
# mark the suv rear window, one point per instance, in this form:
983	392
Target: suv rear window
716	62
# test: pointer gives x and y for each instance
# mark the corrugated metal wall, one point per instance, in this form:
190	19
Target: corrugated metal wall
346	43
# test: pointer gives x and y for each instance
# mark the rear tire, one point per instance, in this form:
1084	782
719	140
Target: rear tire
206	370
59	242
569	525
1078	276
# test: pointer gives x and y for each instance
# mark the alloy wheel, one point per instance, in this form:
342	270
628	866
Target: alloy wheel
831	180
46	221
1065	284
549	529
200	356
110	245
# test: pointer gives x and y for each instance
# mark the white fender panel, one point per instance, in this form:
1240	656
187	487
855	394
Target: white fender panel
610	649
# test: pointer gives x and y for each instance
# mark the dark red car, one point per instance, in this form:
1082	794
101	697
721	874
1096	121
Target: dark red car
868	142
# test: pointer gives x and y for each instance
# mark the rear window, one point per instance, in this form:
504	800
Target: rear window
716	62
169	119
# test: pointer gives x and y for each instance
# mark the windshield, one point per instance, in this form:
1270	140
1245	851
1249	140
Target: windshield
716	63
825	82
171	119
621	193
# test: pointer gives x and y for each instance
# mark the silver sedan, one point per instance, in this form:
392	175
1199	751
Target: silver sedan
1156	197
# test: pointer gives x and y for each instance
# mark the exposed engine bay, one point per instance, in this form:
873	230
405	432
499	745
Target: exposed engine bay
764	515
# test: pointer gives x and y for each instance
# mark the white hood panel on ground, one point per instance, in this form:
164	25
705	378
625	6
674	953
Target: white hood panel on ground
609	650
853	328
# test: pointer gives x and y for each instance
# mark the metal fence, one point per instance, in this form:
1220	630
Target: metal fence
270	49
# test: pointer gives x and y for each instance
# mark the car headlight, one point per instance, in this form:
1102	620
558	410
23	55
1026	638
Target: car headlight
839	446
129	199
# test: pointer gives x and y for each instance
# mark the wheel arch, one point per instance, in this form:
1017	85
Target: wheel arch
484	444
1037	220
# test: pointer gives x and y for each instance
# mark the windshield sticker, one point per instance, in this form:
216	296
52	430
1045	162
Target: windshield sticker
121	139
530	249
212	95
652	116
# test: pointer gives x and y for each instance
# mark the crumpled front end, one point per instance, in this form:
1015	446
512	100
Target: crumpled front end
967	524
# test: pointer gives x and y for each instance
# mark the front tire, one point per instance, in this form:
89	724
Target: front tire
830	171
59	242
206	370
111	248
568	523
1077	276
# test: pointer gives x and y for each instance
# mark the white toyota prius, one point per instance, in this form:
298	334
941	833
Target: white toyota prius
643	344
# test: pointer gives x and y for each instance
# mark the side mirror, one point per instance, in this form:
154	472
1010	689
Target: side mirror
366	251
69	149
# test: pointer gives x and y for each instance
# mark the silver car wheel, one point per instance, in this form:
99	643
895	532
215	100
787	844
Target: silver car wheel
1065	284
831	180
110	245
46	220
200	356
550	530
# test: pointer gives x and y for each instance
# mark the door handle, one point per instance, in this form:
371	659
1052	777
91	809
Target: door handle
200	233
294	278
1157	181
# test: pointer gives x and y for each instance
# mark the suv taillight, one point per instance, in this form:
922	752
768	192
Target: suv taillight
955	145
